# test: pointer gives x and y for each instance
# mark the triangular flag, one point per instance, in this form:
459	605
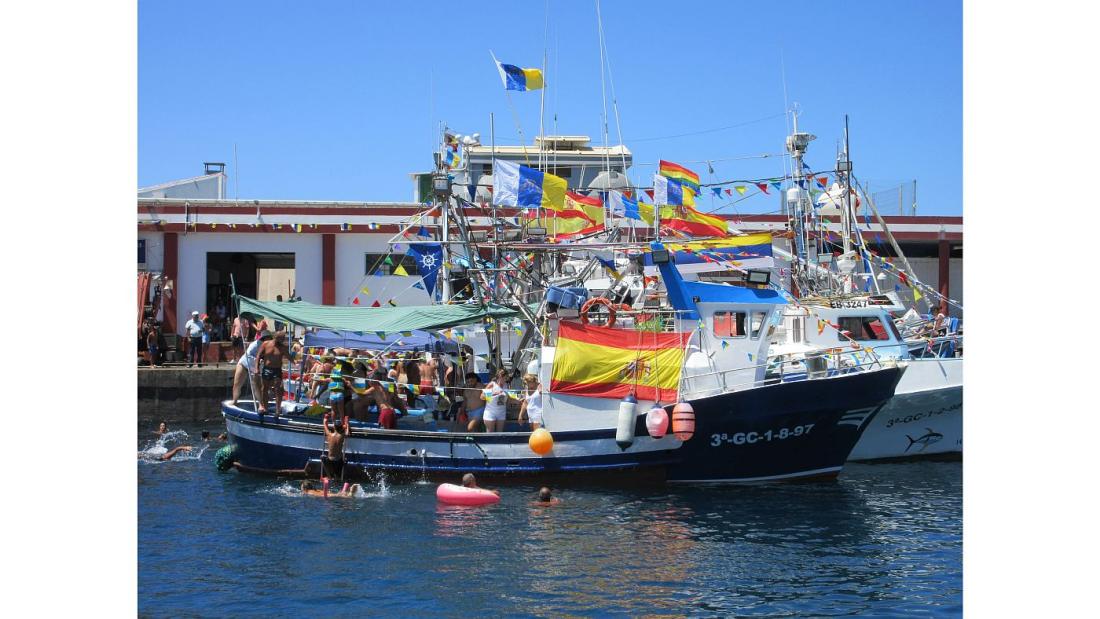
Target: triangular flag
762	186
418	285
725	344
740	189
777	185
381	334
364	290
388	260
729	192
821	180
355	301
916	295
717	191
400	270
376	304
422	231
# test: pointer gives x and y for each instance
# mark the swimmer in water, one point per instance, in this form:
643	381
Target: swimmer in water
546	498
346	491
206	436
469	481
165	456
161	430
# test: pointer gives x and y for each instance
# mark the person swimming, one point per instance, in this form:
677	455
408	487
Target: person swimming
469	481
349	490
164	456
546	498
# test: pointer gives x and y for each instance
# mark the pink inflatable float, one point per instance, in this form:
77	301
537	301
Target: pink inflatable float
459	495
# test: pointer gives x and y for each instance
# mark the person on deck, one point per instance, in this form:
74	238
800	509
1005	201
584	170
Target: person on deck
194	330
270	361
412	377
531	409
333	462
337	389
385	397
496	402
473	406
246	369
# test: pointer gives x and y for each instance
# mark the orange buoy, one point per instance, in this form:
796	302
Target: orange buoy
683	421
541	441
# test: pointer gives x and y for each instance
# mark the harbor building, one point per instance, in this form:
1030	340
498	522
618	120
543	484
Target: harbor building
198	243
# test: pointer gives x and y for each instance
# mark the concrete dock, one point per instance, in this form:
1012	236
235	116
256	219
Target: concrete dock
182	394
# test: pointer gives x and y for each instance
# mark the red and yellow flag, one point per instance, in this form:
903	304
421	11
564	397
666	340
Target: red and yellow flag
691	221
599	362
580	215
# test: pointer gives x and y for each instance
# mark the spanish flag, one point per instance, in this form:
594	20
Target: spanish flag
599	362
687	219
676	171
580	215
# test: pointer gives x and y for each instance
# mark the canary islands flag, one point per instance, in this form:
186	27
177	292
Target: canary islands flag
599	362
515	78
672	192
517	185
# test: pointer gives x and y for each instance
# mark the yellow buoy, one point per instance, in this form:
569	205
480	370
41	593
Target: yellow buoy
541	441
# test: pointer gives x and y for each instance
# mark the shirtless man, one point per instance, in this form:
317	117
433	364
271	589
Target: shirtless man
469	481
546	498
473	405
387	402
333	463
270	361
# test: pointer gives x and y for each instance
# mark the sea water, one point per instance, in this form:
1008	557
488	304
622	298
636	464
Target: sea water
883	540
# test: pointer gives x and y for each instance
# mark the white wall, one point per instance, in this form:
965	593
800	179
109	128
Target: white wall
928	270
191	287
351	267
154	250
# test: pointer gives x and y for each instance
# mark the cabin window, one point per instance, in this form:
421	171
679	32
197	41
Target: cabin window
376	264
729	324
756	324
863	328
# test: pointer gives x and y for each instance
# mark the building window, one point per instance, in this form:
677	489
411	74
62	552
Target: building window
141	251
376	264
862	328
729	324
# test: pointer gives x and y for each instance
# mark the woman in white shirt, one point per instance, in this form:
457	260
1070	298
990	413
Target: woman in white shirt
496	402
531	409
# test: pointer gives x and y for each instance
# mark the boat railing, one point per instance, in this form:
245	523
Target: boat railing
727	380
944	346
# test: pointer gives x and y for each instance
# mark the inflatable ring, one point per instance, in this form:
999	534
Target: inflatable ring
593	302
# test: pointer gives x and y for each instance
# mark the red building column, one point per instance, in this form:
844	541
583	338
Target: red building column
171	272
945	275
328	269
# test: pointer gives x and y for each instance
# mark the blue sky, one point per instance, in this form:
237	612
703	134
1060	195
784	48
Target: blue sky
341	101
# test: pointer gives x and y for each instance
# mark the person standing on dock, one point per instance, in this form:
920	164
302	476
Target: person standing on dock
151	344
270	361
194	330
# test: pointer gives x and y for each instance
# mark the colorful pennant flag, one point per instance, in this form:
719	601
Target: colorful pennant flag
740	189
762	186
355	301
428	260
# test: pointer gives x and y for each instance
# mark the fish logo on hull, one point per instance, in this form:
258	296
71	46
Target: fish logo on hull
924	440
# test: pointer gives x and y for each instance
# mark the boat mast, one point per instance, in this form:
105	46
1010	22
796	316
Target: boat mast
797	201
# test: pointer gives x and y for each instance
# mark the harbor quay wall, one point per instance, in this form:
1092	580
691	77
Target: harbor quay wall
183	395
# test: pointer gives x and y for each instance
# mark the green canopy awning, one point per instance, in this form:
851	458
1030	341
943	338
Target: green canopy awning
374	319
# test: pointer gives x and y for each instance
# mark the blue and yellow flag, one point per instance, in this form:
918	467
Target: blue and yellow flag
515	78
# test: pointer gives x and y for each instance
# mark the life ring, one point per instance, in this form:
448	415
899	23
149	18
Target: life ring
594	301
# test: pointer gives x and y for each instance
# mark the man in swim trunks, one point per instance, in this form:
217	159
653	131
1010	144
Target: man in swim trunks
333	463
270	361
473	406
386	400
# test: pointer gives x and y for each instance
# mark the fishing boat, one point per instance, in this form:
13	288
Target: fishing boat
746	428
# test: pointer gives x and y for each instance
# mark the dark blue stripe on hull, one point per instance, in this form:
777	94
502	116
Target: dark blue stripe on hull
271	458
788	430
